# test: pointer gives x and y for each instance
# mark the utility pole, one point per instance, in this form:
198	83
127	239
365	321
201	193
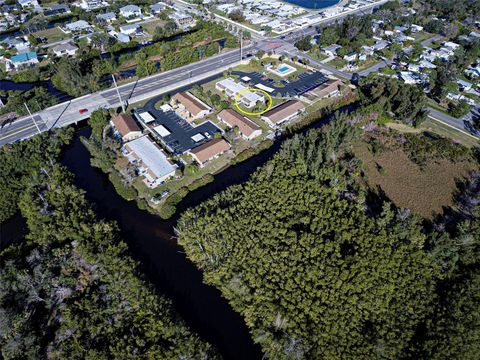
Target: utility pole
241	45
118	93
31	116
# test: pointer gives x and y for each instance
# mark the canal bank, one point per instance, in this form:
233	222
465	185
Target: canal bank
152	243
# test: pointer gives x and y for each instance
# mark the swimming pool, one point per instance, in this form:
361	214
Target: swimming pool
282	70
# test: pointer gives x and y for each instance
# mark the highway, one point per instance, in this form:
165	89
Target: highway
69	112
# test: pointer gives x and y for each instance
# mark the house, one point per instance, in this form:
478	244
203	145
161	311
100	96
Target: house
329	88
350	57
19	61
65	49
106	18
380	45
158	8
130	11
20	44
183	20
283	113
409	78
464	85
92	4
126	127
247	128
416	28
129	29
28	3
473	72
424	64
189	107
78	26
150	160
122	38
57	9
451	45
239	93
331	50
209	151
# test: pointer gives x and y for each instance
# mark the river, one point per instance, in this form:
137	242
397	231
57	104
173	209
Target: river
152	243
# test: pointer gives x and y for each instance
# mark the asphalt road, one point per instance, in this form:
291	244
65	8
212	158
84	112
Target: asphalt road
68	112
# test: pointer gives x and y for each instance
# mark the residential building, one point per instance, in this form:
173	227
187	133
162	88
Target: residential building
130	29
189	107
416	28
126	127
19	43
247	128
57	9
209	151
183	20
329	88
158	7
331	50
150	160
350	57
65	49
92	4
78	26
106	18
283	113
123	38
245	97
28	3
410	78
130	11
20	61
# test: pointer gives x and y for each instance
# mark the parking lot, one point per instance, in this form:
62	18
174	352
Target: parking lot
306	82
180	138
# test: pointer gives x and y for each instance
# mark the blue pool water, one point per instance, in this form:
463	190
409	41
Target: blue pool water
283	69
313	4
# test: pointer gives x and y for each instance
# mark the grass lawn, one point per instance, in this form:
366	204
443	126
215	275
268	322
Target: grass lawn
421	36
448	132
171	186
318	55
52	35
150	26
338	63
424	191
368	63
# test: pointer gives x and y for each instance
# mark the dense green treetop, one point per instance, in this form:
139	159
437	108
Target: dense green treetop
297	251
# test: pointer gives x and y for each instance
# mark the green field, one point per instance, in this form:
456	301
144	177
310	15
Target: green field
52	35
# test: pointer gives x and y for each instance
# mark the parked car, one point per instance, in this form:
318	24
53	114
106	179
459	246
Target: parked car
83	111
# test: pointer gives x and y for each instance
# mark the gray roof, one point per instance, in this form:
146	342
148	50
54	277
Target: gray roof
106	16
64	47
130	8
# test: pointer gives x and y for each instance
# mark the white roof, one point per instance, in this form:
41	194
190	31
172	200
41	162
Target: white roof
264	88
161	130
197	137
166	107
146	117
152	156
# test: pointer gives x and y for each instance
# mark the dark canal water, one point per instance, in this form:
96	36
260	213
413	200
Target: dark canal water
151	241
313	4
